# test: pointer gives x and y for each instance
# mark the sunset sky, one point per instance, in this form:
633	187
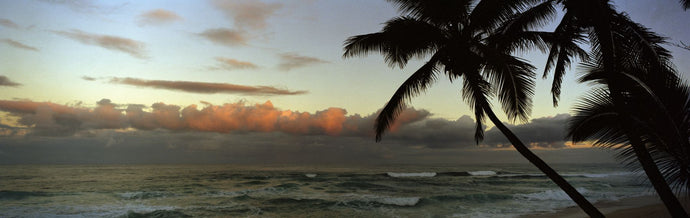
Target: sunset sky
245	81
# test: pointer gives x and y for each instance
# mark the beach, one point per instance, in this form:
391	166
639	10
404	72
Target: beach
645	206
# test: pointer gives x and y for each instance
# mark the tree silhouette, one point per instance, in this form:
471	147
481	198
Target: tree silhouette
465	40
608	33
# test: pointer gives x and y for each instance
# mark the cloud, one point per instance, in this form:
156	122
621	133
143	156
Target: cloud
158	17
248	14
4	81
132	47
18	45
86	6
8	23
203	87
414	129
232	64
224	36
544	132
163	146
52	119
289	61
88	78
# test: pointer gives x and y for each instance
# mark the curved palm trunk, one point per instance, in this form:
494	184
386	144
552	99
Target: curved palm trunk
603	30
545	168
660	185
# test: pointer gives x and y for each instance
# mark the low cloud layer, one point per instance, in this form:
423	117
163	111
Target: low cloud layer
158	17
4	81
248	14
132	47
544	132
233	64
202	87
289	61
413	128
51	119
19	45
254	133
225	36
8	23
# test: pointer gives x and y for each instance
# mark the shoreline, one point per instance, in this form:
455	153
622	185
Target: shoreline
643	206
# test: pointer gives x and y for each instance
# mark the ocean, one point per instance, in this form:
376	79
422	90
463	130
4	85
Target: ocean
500	190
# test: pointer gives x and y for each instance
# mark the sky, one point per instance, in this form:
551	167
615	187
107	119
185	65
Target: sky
248	81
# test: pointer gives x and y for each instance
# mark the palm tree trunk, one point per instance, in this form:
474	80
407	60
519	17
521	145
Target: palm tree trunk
545	168
604	33
660	185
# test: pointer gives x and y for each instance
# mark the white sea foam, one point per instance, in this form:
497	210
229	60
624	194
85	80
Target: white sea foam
552	194
310	175
482	173
424	174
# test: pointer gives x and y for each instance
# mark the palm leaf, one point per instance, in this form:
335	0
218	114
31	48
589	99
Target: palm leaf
415	84
514	79
439	12
564	48
475	91
487	15
400	40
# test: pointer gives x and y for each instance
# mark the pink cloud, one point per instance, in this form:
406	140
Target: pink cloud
248	14
53	119
224	36
231	64
8	23
115	43
17	44
158	17
289	61
204	87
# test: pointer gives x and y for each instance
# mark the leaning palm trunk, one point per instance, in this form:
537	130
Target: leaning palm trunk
464	41
603	32
581	201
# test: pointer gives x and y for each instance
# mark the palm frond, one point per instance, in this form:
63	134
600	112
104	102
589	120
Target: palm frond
532	18
686	4
564	48
596	120
476	91
514	79
511	42
642	48
400	40
415	84
438	12
487	15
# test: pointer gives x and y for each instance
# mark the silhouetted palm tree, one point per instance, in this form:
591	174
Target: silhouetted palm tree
608	31
464	40
686	4
660	108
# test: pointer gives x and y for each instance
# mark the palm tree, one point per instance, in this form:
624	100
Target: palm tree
464	41
660	108
604	26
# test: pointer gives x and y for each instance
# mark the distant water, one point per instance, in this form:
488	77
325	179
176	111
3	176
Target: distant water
241	191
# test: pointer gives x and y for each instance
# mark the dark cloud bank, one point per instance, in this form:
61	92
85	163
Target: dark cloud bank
258	134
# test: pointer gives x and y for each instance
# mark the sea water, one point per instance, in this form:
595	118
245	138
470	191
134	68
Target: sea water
298	191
